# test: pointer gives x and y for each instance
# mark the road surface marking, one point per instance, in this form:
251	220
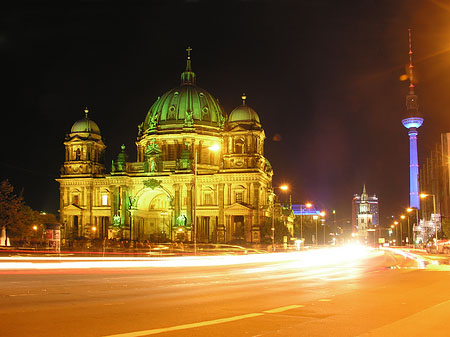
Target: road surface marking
186	326
205	323
289	307
325	300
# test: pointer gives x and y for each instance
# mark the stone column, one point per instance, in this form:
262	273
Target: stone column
256	226
176	203
221	217
189	205
112	202
61	203
124	211
89	204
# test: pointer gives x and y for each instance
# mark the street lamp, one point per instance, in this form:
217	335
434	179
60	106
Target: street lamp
215	148
401	229
315	217
396	229
307	205
335	226
408	236
35	228
323	224
409	210
322	214
424	195
283	188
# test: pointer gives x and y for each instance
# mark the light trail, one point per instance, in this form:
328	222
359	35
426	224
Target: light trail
421	261
295	260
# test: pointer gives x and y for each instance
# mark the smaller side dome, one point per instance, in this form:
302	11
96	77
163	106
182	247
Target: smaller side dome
243	113
85	125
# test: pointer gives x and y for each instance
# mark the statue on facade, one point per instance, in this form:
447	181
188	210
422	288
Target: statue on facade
189	119
154	121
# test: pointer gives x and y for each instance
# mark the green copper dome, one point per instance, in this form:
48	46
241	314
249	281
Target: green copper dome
243	113
85	125
186	106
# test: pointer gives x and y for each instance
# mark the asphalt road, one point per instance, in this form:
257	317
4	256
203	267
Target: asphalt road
318	293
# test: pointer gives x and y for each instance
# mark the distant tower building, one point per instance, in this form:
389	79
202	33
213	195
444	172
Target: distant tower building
412	122
365	214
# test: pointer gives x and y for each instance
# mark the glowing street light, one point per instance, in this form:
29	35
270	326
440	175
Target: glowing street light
307	205
408	238
322	214
424	195
323	224
409	210
215	147
401	229
315	217
395	225
283	188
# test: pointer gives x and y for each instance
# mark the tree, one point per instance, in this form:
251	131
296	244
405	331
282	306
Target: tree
280	231
10	205
446	227
15	216
23	226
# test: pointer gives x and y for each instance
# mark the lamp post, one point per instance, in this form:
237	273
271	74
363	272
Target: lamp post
403	217
335	227
307	205
322	214
315	217
424	195
396	231
35	228
323	225
417	221
283	188
215	148
408	236
390	232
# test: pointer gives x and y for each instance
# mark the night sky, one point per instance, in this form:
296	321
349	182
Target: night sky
324	77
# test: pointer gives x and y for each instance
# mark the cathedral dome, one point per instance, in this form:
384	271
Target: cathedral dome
243	113
85	125
185	106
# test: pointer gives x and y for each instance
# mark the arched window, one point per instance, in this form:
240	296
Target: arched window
78	154
239	146
239	194
208	196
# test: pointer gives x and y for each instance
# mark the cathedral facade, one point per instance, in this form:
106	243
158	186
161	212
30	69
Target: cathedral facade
199	172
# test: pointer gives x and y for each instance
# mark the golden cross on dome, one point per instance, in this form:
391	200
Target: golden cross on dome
188	49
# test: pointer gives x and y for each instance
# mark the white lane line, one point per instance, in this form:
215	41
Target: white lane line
204	323
186	326
289	307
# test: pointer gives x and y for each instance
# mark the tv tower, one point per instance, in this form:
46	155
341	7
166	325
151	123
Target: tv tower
412	122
